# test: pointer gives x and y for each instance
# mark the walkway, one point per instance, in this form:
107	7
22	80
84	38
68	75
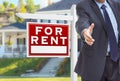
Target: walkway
49	70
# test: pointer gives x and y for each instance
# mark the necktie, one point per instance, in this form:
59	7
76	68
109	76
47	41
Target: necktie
111	36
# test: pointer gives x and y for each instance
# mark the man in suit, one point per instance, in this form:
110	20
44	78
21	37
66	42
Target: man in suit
99	26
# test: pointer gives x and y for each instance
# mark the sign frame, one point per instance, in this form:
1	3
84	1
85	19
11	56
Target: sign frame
48	54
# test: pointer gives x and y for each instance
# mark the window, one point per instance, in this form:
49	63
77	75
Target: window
45	21
21	41
49	21
41	20
65	22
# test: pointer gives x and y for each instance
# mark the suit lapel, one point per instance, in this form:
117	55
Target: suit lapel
97	11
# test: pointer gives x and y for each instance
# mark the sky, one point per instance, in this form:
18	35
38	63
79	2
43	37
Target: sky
43	3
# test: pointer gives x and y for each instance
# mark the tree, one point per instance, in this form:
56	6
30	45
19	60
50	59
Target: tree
2	8
37	7
21	9
30	6
5	3
12	5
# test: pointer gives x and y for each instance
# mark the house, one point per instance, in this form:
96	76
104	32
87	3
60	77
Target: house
13	40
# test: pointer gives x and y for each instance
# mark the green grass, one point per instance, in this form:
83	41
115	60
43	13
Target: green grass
38	79
17	66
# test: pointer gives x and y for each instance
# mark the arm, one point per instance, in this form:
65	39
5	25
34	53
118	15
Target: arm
83	26
83	19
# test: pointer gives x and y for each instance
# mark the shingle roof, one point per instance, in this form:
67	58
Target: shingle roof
15	26
61	5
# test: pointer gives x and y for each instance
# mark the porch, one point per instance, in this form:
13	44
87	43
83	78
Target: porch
12	42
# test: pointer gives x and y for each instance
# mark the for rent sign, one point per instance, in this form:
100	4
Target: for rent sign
47	40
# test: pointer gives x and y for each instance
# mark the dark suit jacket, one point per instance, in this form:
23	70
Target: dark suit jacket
91	61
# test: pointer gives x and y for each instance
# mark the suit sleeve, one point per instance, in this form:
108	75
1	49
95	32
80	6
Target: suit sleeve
83	19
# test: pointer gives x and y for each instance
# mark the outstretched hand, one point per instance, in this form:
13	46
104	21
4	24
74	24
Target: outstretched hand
87	33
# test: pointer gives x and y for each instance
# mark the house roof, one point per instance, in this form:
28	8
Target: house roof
14	26
61	5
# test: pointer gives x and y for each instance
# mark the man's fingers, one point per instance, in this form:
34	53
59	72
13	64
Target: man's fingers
87	34
89	43
89	38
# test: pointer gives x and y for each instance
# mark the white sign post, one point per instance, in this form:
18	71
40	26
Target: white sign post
73	38
74	43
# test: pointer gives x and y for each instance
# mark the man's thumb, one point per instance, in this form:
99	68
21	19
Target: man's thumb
91	27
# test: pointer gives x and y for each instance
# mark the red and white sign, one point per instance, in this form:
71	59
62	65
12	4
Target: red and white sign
47	40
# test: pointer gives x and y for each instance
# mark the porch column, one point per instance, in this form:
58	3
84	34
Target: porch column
3	42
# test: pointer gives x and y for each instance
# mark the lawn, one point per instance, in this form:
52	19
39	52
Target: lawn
18	66
37	79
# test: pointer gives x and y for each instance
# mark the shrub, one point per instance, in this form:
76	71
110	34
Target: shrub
64	69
